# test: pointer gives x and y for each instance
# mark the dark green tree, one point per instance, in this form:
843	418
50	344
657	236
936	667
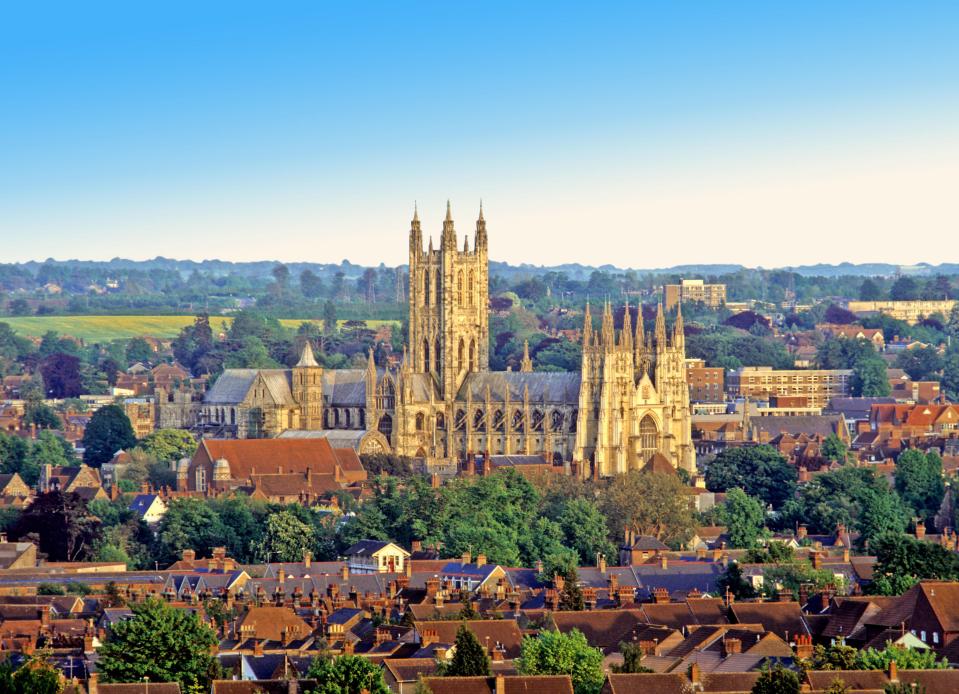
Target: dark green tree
108	431
744	517
346	674
760	471
733	581
921	363
558	653
35	676
777	680
139	350
160	643
919	481
469	656
61	524
834	449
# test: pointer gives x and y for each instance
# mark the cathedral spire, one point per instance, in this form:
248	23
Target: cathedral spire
626	336
416	232
679	336
526	365
306	356
479	243
640	328
448	240
370	362
587	326
660	328
608	333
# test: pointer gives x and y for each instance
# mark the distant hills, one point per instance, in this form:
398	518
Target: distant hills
262	268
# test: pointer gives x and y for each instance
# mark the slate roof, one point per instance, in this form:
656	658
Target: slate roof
823	425
366	548
551	387
141	503
233	385
344	387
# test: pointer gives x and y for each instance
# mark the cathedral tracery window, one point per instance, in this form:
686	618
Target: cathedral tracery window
427	280
472	366
385	426
440	421
420	421
517	420
479	421
648	438
537	420
459	289
556	421
461	355
469	295
459	420
499	421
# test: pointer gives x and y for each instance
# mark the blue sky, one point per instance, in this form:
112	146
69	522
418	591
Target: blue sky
640	134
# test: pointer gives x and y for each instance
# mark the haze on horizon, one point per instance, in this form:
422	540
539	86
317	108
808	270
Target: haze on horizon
638	135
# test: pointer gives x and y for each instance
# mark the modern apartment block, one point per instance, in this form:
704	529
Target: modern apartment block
816	385
908	311
713	295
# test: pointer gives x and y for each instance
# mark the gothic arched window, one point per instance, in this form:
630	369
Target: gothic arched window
472	355
461	356
517	420
648	438
436	356
459	289
459	420
556	421
420	421
537	420
385	426
499	420
469	290
427	281
479	421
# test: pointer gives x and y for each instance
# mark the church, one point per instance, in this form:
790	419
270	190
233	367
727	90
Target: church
627	407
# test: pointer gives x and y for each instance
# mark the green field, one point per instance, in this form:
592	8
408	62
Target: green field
106	328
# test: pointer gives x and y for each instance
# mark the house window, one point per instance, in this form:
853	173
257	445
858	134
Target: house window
201	479
922	634
935	637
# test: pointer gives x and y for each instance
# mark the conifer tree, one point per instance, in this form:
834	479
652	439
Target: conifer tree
469	657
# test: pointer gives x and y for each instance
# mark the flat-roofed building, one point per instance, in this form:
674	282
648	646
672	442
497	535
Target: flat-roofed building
763	382
908	311
712	295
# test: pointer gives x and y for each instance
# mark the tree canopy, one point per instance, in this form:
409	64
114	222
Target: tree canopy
162	644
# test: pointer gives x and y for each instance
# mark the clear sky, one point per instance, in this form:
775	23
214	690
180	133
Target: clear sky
638	134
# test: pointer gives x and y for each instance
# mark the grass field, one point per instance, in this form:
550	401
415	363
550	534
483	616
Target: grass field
106	328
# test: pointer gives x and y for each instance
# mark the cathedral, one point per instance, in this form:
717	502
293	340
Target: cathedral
627	408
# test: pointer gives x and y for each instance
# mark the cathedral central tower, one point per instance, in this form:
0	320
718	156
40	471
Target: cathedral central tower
449	305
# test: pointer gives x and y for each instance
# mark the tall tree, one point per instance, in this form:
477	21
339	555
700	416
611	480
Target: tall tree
919	481
61	525
61	374
346	674
108	431
160	643
558	653
285	538
650	504
744	517
760	471
777	680
469	656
